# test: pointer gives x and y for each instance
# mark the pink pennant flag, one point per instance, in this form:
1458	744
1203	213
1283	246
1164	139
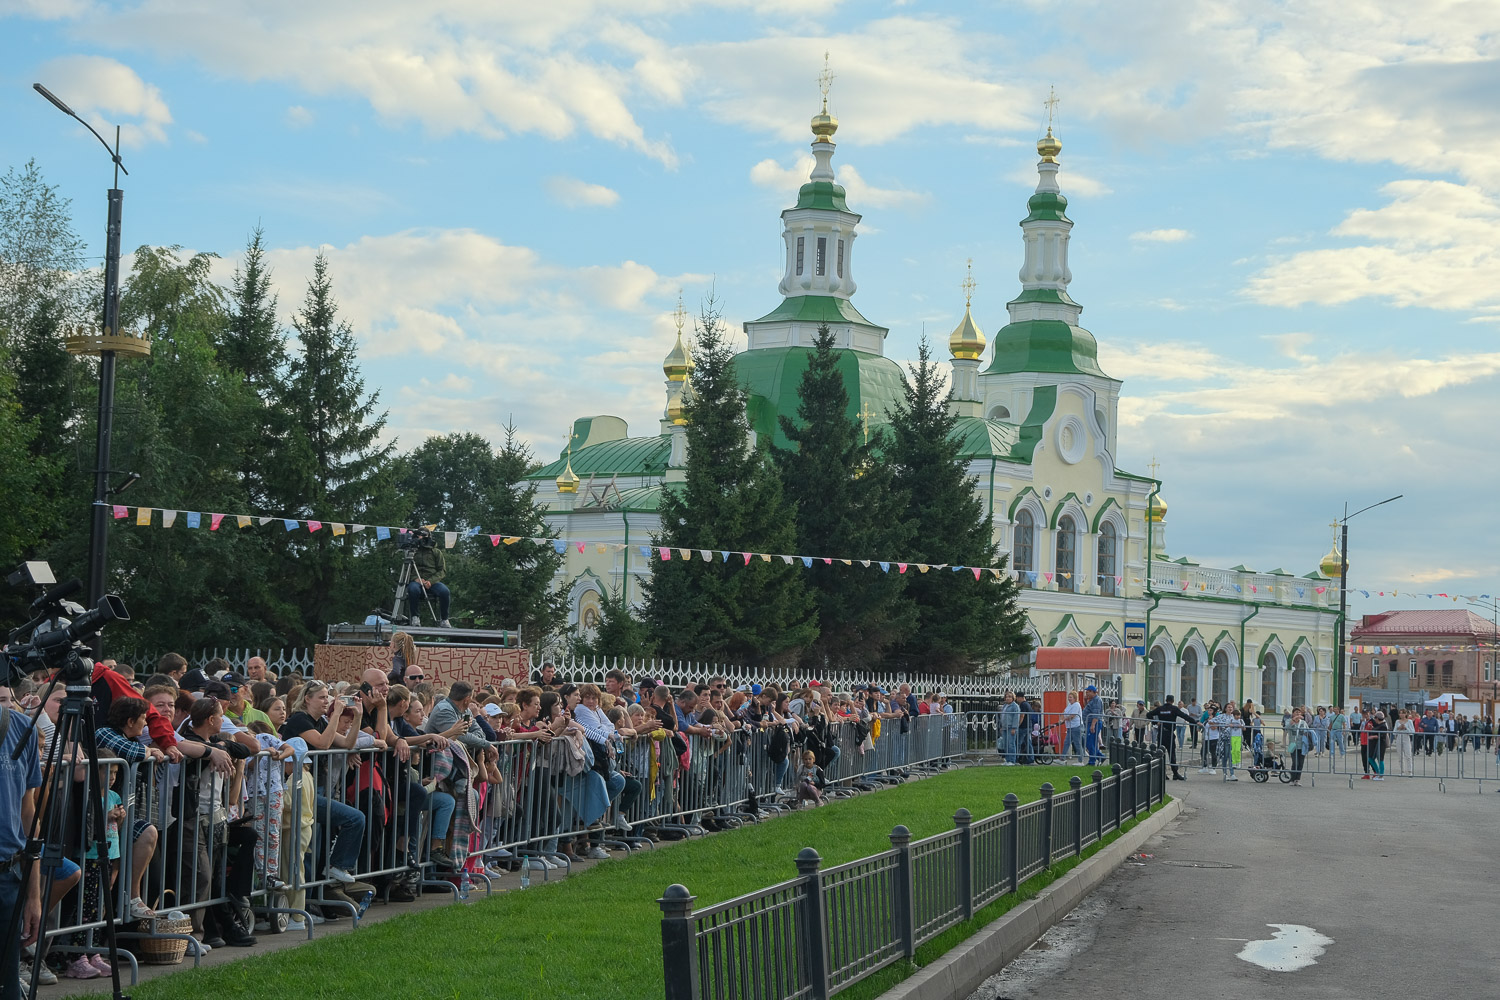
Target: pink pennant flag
827	561
1184	585
120	512
1047	577
494	541
581	546
901	567
214	520
746	557
1253	589
1322	589
666	554
314	526
976	571
1119	581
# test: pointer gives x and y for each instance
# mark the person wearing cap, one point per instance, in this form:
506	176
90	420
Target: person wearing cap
237	708
1093	723
1166	716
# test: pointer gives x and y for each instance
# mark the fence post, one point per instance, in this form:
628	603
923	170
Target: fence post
1098	804
1075	785
679	957
1013	842
903	907
815	921
963	820
1119	794
1047	806
1131	763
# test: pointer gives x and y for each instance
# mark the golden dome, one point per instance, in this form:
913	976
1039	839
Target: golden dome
824	125
966	341
1158	511
1049	146
568	481
1332	565
679	362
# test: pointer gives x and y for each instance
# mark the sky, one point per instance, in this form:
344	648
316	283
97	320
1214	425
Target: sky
1287	235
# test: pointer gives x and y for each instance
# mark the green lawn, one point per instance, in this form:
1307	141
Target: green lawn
596	935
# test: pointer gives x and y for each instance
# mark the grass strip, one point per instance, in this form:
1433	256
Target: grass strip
596	935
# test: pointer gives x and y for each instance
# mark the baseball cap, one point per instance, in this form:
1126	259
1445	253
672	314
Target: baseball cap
193	680
755	689
1091	688
217	689
1139	702
492	709
234	680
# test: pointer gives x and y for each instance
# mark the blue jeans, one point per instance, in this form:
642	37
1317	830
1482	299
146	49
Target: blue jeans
783	768
1008	745
10	948
442	813
415	593
1074	743
1091	740
347	828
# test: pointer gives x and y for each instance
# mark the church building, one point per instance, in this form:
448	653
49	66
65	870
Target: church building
1037	417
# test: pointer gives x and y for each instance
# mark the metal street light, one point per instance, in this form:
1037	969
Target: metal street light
108	342
1338	673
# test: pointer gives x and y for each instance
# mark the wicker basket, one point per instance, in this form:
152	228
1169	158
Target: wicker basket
164	950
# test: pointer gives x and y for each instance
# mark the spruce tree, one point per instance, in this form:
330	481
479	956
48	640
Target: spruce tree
847	507
251	344
961	622
331	465
619	632
730	500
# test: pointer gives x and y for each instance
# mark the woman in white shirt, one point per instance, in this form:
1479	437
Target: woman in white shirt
1072	729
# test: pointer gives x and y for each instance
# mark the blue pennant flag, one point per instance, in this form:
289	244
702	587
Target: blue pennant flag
290	524
1365	592
474	530
645	552
1031	577
382	532
1301	591
885	567
957	568
194	519
806	560
560	545
724	554
1238	589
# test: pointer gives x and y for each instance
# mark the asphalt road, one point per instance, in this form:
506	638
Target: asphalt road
1396	873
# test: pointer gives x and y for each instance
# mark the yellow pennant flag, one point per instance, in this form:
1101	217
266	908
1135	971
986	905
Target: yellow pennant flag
513	539
602	548
143	515
685	553
922	567
338	529
243	520
846	562
430	527
764	556
995	573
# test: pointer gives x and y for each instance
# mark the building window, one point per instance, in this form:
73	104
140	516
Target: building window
801	246
1221	677
1067	544
1393	667
1447	673
1374	667
841	258
1021	551
1413	669
1156	678
1299	681
822	261
1189	682
1431	671
1268	685
1488	667
1107	559
999	413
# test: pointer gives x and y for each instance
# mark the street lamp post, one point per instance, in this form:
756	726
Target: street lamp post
1338	673
106	344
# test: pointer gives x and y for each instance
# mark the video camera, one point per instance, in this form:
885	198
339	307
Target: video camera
52	638
416	538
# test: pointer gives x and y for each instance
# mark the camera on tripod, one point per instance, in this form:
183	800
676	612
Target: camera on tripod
53	637
417	538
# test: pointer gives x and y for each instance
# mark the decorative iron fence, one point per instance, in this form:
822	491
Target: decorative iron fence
826	929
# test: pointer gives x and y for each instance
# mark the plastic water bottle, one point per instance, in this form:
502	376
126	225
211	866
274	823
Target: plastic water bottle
463	887
525	873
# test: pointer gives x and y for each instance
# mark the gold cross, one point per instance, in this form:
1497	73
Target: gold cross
1155	467
865	414
679	314
968	285
825	81
572	436
1335	526
1051	104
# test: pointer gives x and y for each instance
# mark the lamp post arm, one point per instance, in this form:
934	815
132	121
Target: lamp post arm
114	154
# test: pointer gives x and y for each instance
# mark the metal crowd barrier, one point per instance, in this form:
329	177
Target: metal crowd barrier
827	929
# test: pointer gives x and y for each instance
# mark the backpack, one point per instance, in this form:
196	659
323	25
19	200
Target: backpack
780	745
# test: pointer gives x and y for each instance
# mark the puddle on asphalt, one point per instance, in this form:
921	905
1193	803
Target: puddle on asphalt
1291	949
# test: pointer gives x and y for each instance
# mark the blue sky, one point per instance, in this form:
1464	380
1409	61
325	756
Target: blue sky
1287	215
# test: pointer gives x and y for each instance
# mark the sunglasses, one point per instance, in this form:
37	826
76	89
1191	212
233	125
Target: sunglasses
415	677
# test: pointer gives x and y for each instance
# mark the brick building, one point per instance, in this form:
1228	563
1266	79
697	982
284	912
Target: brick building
1406	657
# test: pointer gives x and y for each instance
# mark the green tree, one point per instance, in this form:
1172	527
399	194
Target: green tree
40	253
730	500
251	344
446	480
619	632
961	621
848	506
28	482
331	465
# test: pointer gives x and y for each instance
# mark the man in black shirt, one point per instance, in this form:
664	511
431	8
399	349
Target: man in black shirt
1166	716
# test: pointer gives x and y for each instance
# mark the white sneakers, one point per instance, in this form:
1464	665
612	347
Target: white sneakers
338	875
414	621
445	623
597	854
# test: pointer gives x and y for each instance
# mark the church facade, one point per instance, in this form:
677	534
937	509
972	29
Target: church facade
1037	418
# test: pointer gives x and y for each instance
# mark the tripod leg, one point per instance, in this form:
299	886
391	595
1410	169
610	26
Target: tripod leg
96	808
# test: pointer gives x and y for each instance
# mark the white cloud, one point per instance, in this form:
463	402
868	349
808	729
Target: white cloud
1161	236
1171	305
1071	181
1434	244
862	195
105	93
299	117
574	193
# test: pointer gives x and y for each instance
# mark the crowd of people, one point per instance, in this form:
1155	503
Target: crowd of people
252	781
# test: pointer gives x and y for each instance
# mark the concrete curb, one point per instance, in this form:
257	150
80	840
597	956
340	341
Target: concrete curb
960	972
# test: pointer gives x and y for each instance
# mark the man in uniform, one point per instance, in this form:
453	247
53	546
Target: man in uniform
1166	716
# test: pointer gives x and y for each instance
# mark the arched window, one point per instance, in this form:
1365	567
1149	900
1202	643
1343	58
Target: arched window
999	413
1107	541
1299	681
1156	677
1189	684
1067	545
1221	677
1023	551
1268	700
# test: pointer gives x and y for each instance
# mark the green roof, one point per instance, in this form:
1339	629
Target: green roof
1048	206
822	194
981	438
771	377
1045	345
642	456
817	309
645	499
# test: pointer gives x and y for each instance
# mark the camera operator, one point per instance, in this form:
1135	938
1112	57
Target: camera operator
430	567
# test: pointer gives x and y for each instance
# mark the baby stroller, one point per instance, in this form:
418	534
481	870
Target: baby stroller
1267	763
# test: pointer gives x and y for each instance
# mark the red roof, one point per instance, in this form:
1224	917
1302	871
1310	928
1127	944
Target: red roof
1451	622
1085	659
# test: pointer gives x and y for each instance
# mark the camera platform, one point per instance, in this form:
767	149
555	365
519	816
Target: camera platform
479	656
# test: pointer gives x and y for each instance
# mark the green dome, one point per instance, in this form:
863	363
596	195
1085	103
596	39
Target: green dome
771	377
822	194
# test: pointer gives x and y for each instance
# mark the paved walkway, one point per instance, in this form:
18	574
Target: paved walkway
1391	879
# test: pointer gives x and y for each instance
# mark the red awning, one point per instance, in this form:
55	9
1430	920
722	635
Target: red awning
1085	659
